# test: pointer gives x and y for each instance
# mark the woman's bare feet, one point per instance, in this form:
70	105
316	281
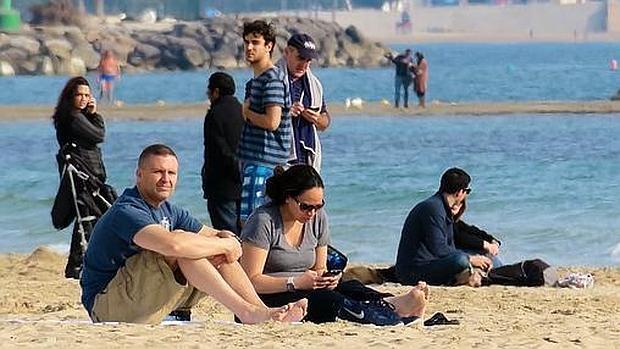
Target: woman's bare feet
413	303
292	312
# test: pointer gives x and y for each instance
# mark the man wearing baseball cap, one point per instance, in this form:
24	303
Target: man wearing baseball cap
308	110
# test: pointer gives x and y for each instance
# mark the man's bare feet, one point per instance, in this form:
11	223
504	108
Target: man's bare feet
413	303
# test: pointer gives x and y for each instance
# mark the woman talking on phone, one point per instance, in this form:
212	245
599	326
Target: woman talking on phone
79	131
285	256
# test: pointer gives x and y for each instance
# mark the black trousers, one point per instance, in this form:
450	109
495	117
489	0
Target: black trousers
323	304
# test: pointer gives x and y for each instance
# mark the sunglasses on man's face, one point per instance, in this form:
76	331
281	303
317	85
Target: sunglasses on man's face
307	207
467	190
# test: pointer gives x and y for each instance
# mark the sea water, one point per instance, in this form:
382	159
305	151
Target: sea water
545	185
457	73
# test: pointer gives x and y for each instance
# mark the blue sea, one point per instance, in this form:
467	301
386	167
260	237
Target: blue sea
544	184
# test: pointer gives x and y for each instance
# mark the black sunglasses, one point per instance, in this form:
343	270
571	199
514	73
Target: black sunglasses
307	208
467	190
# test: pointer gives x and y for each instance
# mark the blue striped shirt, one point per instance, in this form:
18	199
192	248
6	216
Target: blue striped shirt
258	145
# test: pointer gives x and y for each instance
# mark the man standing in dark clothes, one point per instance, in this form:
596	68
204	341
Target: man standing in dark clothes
426	251
403	77
221	182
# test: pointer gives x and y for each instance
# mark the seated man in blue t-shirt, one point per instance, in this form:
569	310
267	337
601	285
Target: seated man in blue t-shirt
147	257
426	251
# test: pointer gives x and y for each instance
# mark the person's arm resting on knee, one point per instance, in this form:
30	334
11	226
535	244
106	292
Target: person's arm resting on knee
182	244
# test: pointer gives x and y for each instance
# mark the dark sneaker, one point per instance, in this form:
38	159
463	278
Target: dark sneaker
72	272
179	315
378	313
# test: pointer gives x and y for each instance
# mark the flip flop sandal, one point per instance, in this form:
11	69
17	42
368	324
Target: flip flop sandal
440	319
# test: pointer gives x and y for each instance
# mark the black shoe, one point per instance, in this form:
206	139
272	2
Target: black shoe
378	313
180	315
72	272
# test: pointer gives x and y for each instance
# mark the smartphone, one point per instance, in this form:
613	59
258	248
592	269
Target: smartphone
332	272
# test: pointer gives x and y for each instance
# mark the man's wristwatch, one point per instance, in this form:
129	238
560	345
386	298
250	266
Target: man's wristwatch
290	285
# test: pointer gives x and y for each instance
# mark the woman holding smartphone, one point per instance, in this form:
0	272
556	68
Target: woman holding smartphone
285	256
79	131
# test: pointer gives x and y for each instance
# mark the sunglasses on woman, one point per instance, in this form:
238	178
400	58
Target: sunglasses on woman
307	207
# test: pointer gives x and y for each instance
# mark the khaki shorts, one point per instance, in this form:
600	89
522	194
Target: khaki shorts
143	291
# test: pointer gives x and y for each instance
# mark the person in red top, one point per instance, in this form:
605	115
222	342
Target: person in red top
109	71
421	78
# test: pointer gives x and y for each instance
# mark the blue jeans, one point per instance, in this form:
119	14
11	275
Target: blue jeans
440	271
401	81
497	262
223	214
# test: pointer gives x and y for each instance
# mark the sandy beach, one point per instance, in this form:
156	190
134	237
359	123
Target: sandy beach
161	111
39	308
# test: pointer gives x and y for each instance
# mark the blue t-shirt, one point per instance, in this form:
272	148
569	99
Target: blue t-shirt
258	145
111	242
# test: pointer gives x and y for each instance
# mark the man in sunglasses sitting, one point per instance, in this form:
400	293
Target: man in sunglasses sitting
426	251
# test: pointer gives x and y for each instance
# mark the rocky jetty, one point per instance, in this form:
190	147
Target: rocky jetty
213	43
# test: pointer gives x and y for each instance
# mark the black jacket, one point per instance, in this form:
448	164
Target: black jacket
86	131
470	237
93	195
222	131
78	136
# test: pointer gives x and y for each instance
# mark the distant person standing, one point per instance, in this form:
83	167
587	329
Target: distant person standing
402	78
221	182
308	112
266	137
421	78
109	71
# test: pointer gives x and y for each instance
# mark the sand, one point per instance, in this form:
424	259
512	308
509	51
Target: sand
39	308
162	111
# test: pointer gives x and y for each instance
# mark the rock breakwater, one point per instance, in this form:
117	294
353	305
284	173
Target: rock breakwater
213	43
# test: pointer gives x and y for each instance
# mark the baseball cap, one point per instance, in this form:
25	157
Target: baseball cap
305	45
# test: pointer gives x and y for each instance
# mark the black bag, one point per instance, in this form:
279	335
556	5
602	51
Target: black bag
534	272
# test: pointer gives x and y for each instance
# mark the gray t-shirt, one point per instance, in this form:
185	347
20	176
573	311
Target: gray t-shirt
264	229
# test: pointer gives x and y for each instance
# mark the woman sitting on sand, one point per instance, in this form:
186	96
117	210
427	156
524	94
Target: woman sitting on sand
473	240
285	256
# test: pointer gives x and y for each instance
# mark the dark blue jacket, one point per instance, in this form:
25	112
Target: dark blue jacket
426	236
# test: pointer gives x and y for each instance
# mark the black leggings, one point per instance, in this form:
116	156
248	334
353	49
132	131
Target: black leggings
323	304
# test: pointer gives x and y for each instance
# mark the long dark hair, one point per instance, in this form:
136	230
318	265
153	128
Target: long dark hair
457	217
65	101
292	182
419	57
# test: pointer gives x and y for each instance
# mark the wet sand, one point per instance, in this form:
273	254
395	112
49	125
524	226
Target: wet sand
163	111
39	308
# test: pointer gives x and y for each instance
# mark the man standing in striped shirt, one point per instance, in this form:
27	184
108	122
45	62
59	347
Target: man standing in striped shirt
267	135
